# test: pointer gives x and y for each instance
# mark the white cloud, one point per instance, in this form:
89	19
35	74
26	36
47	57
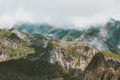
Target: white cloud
85	22
10	19
58	12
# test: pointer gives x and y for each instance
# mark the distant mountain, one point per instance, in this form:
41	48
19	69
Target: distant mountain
40	57
50	31
106	37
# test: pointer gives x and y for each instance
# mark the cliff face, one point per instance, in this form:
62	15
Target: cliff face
95	68
73	57
98	69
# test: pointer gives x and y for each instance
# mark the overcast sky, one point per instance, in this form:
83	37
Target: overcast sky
58	12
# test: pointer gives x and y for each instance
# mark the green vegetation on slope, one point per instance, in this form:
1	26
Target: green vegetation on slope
22	69
11	44
4	33
111	54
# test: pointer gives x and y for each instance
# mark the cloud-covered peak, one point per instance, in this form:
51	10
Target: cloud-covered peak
80	13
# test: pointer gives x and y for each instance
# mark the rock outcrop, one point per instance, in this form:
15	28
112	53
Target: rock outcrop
98	69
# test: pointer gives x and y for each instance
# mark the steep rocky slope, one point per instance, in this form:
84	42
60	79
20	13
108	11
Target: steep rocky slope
74	57
15	44
95	68
69	55
12	46
104	38
98	69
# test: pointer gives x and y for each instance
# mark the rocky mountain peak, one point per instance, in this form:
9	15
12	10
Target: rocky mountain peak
97	60
98	69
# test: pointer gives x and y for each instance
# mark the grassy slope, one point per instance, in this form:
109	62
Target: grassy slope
111	54
11	44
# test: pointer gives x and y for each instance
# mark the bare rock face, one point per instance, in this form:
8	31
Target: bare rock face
98	60
116	75
108	73
73	57
98	69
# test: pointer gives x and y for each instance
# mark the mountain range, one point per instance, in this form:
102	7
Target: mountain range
45	52
102	37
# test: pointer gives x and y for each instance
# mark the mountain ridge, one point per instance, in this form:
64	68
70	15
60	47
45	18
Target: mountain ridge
74	57
104	37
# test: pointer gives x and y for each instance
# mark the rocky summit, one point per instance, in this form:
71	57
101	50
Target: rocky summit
46	52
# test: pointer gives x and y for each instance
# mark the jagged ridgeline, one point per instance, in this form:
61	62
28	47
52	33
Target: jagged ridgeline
102	37
16	44
37	57
62	33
